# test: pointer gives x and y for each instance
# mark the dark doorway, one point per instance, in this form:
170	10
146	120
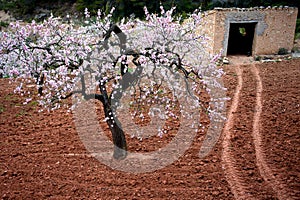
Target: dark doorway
241	38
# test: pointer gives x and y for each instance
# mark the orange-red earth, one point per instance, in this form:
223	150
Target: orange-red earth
256	157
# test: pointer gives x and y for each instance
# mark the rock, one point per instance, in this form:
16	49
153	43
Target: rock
42	14
4	16
225	60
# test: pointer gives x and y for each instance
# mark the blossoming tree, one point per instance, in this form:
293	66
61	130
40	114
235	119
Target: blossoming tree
135	55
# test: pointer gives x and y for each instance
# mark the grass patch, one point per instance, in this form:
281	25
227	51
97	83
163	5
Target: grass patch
4	24
2	109
10	97
21	113
33	103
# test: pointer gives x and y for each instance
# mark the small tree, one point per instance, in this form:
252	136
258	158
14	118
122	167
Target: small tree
56	56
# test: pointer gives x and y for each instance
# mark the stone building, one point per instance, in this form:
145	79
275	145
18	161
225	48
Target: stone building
249	31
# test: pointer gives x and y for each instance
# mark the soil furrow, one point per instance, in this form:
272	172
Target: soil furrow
242	140
239	154
234	180
266	172
42	155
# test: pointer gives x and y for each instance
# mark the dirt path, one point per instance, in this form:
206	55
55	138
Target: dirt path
278	185
264	169
236	183
268	185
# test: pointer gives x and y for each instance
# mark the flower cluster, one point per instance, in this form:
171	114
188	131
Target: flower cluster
53	54
49	54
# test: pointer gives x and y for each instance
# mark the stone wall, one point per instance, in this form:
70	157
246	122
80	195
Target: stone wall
274	29
207	29
5	17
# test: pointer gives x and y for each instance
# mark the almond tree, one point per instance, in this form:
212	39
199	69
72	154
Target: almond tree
56	55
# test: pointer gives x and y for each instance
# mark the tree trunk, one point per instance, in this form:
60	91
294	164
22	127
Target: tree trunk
119	140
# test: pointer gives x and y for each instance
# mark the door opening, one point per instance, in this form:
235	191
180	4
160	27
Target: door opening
241	37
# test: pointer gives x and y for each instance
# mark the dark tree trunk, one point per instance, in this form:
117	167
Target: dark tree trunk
119	140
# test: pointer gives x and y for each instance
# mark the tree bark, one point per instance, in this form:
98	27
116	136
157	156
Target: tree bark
119	140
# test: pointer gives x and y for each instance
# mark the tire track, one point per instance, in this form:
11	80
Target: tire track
265	171
236	183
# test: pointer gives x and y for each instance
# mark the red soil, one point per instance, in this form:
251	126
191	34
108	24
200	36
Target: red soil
42	156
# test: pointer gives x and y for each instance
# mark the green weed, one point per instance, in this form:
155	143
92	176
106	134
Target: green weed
2	109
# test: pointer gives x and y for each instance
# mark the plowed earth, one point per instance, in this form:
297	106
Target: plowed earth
257	156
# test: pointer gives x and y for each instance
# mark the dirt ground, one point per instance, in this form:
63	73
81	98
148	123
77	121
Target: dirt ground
257	156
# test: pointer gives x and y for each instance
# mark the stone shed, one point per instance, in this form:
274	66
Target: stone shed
250	31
